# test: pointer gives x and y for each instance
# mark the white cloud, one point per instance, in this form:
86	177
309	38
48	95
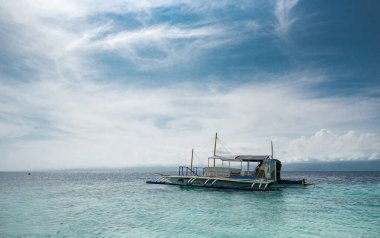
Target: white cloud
71	124
282	12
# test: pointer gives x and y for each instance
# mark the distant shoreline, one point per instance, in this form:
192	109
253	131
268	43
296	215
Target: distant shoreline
336	166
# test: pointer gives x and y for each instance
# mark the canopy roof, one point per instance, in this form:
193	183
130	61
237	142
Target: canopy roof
244	158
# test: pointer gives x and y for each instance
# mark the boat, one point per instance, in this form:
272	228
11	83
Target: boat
240	172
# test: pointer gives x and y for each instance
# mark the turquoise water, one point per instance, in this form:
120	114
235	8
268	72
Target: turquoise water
120	204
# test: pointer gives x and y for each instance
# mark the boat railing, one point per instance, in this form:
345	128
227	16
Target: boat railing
186	171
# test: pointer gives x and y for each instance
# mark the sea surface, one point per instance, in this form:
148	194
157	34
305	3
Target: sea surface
118	203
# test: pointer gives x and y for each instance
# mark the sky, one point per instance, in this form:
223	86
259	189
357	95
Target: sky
86	84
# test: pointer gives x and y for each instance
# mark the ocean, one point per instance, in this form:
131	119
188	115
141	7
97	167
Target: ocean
118	203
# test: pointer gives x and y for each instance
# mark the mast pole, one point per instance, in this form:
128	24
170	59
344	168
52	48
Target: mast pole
271	146
191	162
216	137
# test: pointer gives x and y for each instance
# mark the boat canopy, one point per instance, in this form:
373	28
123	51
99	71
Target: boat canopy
242	158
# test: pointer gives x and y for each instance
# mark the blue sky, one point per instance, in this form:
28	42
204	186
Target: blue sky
123	83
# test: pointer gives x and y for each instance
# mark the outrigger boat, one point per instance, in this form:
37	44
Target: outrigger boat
266	174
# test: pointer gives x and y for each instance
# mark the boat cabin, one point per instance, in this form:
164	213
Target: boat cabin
244	167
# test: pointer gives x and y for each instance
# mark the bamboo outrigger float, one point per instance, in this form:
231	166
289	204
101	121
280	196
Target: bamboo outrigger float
266	174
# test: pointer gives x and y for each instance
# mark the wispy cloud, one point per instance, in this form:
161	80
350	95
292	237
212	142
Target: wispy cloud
61	38
161	45
282	12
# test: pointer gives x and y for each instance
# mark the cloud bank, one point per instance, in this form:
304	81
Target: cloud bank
58	124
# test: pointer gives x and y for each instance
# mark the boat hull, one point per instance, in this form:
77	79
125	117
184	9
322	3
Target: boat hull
227	183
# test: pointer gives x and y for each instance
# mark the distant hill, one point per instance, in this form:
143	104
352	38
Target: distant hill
365	165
